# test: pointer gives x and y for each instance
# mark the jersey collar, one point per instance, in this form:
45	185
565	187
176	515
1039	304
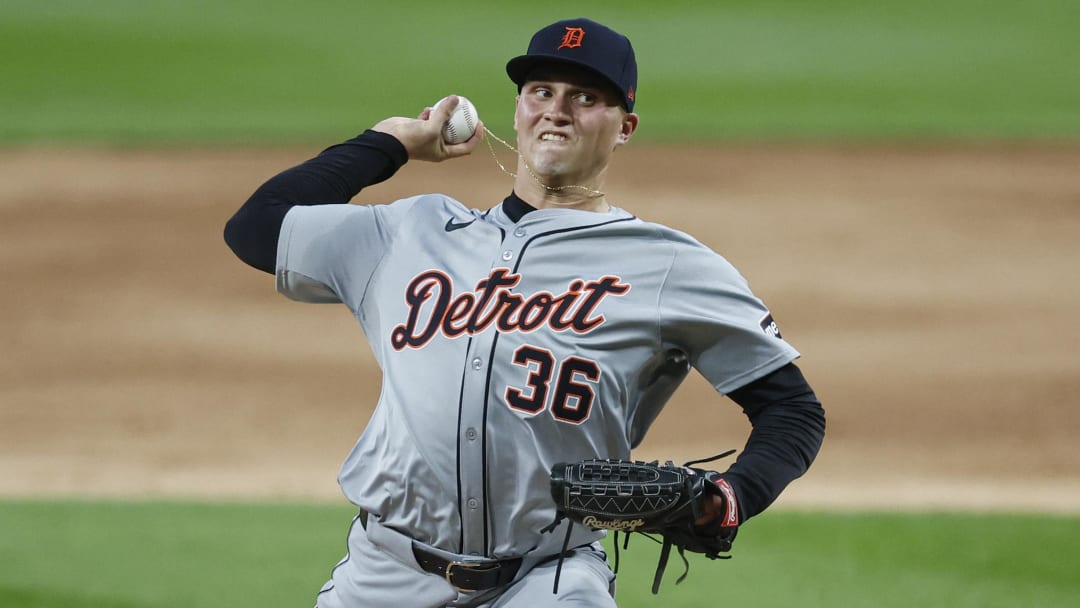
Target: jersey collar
515	208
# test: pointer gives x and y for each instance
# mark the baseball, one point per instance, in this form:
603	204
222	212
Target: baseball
462	122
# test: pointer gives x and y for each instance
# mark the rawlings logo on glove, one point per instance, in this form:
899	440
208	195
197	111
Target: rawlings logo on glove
613	524
649	497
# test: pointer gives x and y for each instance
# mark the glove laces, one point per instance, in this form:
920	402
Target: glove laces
559	516
665	550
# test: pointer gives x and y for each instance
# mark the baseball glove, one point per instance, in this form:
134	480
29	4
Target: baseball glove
651	498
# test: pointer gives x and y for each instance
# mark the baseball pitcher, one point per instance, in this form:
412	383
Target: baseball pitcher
526	347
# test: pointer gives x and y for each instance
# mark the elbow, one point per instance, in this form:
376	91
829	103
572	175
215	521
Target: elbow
810	416
818	424
822	418
233	231
247	244
236	236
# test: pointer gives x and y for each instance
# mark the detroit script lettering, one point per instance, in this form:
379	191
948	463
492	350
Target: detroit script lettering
434	308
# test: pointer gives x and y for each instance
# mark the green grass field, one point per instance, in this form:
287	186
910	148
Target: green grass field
166	555
244	71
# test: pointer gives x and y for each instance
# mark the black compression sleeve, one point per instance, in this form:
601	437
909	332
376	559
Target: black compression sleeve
788	428
334	176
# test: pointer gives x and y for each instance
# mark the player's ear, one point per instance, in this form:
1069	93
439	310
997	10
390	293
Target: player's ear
627	128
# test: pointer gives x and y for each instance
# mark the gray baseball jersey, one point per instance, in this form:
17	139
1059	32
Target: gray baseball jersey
507	347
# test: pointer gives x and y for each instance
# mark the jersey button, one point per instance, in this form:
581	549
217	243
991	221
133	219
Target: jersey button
470	434
519	232
508	255
473	503
477	363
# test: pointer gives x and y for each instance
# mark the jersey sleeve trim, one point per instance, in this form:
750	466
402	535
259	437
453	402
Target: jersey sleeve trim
770	366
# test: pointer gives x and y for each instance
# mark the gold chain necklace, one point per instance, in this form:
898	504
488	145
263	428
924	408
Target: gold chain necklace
592	193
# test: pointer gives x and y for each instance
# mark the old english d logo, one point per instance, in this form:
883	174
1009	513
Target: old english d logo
572	38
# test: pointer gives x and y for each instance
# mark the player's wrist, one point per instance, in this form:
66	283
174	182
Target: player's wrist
729	515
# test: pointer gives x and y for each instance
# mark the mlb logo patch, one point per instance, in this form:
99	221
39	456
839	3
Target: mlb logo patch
770	327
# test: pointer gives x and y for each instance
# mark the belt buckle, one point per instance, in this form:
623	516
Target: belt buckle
471	566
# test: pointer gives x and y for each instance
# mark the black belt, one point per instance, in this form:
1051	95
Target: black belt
468	576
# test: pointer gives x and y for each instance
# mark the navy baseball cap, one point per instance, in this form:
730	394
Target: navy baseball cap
585	43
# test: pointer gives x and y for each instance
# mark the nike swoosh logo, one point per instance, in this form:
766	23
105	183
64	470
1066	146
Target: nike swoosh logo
451	225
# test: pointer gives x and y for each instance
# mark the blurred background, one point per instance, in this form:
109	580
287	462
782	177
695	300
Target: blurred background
899	181
242	71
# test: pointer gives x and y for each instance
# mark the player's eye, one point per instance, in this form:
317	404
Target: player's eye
585	98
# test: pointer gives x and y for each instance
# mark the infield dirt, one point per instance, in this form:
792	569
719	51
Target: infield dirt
933	292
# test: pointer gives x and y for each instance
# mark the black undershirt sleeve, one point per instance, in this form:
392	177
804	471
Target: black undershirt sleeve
788	428
334	176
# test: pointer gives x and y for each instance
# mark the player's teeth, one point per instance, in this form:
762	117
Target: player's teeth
552	137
